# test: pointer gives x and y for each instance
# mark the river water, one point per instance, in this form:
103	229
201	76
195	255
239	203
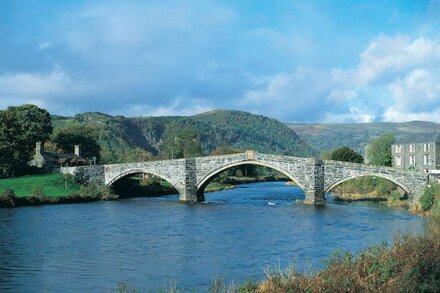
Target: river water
154	242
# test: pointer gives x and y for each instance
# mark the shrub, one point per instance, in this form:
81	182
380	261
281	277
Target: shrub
96	192
37	191
395	195
7	198
427	198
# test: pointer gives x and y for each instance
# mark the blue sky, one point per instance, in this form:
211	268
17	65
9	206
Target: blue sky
297	61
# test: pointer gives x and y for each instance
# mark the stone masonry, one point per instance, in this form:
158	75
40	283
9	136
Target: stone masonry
191	176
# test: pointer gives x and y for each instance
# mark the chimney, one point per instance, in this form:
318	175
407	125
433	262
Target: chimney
77	150
38	148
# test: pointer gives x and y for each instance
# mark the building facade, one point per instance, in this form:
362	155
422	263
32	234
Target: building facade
417	152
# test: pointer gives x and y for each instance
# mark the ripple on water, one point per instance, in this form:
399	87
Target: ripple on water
151	242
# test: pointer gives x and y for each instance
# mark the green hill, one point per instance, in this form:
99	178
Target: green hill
118	135
356	135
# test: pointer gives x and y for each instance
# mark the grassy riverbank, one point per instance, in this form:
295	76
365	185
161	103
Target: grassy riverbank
52	185
48	189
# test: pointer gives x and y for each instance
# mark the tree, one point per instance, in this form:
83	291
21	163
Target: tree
379	150
346	154
181	141
77	134
137	155
35	123
20	128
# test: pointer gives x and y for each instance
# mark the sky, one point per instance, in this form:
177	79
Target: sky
296	61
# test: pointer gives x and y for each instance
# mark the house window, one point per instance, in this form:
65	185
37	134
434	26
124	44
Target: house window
412	160
398	149
426	147
398	161
412	148
427	160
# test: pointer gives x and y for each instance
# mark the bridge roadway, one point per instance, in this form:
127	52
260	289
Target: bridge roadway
191	176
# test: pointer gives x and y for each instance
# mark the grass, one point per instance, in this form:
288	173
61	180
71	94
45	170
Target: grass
51	185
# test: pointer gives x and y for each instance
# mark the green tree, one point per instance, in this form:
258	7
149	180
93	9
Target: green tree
35	123
379	150
77	134
181	141
346	154
20	128
137	155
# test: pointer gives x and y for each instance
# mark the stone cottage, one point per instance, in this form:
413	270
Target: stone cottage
417	152
46	161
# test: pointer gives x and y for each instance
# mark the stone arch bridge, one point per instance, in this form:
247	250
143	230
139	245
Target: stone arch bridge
191	176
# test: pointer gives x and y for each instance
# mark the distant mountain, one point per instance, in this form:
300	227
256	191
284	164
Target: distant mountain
356	135
118	135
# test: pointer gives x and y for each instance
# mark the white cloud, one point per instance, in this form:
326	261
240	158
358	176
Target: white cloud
43	46
37	85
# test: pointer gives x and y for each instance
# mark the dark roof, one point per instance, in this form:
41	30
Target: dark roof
419	138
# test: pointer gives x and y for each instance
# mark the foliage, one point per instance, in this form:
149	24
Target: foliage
240	130
379	150
326	155
35	123
428	196
368	184
225	150
85	136
181	141
137	155
7	198
96	192
38	191
20	128
346	154
412	264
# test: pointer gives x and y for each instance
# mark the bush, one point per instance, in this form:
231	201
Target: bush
93	191
37	191
8	198
427	198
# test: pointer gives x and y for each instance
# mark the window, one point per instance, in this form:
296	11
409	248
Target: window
398	149
427	147
412	160
427	160
412	148
398	161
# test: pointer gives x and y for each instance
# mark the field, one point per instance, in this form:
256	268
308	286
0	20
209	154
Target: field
52	185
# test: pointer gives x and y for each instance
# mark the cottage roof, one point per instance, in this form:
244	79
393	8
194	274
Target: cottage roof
419	138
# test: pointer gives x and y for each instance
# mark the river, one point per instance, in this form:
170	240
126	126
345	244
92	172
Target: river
154	242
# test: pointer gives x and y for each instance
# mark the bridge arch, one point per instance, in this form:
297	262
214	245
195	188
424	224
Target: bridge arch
133	171
389	178
201	185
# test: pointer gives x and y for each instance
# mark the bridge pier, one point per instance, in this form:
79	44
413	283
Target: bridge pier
188	193
315	193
